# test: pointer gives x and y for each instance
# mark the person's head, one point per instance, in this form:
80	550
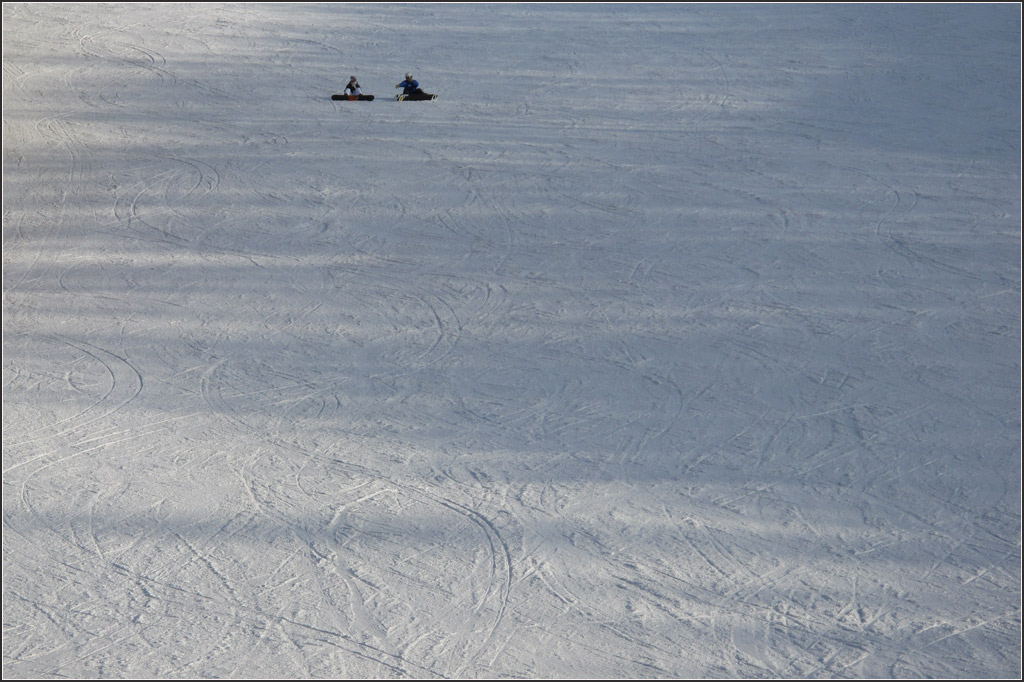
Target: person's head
352	79
408	76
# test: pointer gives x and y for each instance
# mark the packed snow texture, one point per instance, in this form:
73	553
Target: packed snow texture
670	341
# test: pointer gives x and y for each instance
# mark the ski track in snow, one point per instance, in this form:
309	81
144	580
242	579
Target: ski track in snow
671	341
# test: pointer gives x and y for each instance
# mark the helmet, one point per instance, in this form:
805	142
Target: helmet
408	76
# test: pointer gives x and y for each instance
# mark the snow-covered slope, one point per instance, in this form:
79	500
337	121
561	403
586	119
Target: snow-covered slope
671	341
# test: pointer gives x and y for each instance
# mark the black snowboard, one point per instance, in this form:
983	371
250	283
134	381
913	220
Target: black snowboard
416	97
353	98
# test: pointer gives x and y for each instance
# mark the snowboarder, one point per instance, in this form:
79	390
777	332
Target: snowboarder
353	93
410	86
411	89
353	87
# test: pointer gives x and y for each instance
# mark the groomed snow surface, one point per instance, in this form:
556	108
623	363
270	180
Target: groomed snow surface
671	341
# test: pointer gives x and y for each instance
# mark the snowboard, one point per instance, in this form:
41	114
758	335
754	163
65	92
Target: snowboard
353	98
415	98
